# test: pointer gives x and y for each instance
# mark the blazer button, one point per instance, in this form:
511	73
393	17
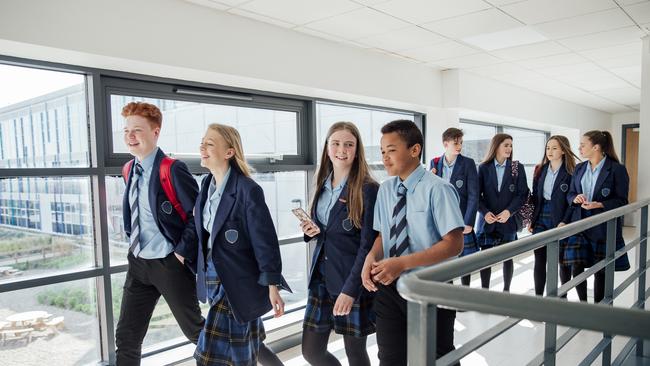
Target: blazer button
325	257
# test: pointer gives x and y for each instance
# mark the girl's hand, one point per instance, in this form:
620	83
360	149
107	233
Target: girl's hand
343	305
591	205
490	218
309	228
503	216
580	199
276	301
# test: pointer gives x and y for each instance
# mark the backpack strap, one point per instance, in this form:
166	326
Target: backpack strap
168	186
126	170
435	163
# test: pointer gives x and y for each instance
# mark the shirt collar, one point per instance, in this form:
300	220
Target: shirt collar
450	165
412	180
551	170
328	183
599	166
219	190
147	162
497	165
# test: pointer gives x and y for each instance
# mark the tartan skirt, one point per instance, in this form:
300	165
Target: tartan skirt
545	222
470	244
223	340
584	251
319	316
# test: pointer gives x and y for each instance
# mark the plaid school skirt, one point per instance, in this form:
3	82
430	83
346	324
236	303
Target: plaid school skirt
545	222
470	244
223	340
319	318
584	251
493	239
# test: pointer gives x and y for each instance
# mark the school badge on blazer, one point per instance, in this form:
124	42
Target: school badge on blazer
564	187
459	183
605	192
166	207
231	236
511	188
347	224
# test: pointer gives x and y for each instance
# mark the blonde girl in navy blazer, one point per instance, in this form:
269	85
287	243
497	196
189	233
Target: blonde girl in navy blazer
239	269
550	189
599	184
498	203
342	222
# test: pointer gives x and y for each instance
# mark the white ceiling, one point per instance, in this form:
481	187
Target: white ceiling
584	51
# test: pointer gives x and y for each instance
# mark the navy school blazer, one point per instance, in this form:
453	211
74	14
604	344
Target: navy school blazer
611	190
511	197
560	208
181	235
465	179
344	246
245	250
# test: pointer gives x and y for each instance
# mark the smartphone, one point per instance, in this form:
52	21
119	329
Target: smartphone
301	214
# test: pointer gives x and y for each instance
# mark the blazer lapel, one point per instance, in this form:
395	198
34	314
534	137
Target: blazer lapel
154	184
540	182
558	180
492	172
458	167
602	176
200	205
226	203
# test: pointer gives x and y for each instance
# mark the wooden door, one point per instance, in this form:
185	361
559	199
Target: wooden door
632	159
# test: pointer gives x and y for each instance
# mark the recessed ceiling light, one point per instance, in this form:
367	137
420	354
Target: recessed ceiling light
504	39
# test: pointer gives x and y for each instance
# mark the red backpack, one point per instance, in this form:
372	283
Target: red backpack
165	182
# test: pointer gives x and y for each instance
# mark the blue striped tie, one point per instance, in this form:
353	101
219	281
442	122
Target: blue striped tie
134	239
398	235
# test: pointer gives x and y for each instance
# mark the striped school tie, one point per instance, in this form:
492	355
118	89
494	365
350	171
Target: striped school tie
134	239
398	235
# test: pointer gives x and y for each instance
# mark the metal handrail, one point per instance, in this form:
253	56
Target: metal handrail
428	287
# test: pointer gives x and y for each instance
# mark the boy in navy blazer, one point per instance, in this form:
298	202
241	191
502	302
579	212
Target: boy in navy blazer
460	171
162	247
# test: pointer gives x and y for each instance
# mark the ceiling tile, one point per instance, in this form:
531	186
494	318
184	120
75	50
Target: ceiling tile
422	11
585	24
626	96
484	21
639	12
603	39
503	2
209	4
551	61
594	80
370	2
630	2
498	69
605	53
260	17
630	74
570	69
402	39
300	11
358	24
535	50
232	2
439	51
475	60
540	11
508	38
622	61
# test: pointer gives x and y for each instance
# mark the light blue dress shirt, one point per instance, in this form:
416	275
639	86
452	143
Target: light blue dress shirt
432	209
501	170
589	179
211	206
327	199
153	242
549	181
447	169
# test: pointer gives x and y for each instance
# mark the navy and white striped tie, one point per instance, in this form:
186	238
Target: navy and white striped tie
398	236
134	239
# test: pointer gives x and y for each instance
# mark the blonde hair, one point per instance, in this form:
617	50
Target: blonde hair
359	173
233	140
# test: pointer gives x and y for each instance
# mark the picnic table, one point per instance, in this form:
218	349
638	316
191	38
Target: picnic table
28	318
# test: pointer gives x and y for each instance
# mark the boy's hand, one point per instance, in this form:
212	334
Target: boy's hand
366	277
387	270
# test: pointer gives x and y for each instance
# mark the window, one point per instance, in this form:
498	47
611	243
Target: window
476	140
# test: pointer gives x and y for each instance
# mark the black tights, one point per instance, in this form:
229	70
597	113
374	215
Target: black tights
508	270
539	271
266	357
314	349
599	284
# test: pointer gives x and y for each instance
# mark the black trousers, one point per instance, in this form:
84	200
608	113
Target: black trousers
390	309
146	280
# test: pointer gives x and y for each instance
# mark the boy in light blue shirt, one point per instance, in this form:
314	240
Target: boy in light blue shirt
420	224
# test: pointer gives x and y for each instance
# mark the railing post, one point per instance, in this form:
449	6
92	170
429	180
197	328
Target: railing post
610	248
550	330
642	252
421	320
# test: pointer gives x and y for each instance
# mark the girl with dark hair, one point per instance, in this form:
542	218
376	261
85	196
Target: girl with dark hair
342	212
502	191
550	188
599	184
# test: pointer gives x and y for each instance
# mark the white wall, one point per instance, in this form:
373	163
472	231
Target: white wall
173	38
618	120
644	123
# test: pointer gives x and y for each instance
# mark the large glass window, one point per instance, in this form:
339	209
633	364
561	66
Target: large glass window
529	147
476	140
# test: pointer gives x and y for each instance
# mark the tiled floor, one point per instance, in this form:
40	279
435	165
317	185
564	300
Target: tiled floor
515	347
